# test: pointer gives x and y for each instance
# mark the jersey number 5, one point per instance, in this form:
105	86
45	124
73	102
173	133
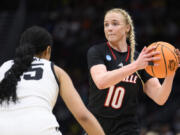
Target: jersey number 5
35	72
115	97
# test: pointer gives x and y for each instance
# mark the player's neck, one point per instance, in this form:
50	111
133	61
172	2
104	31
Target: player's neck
43	55
120	46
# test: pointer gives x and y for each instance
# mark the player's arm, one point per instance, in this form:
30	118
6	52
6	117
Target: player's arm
157	92
104	79
76	105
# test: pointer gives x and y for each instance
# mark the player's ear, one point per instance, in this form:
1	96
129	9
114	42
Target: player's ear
47	52
128	27
49	49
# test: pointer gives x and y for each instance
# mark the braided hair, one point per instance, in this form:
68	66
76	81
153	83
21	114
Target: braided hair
33	41
130	34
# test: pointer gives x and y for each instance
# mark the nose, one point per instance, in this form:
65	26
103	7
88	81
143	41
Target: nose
109	28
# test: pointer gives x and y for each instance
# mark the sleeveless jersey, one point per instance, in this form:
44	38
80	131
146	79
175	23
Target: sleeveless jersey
118	101
37	93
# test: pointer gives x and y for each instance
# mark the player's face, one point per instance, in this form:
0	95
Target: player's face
115	27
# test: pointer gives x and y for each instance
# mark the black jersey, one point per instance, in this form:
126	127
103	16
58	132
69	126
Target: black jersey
120	100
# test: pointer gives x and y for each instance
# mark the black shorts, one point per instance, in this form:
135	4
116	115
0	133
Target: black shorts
123	126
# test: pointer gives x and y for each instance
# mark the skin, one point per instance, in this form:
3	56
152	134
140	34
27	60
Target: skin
72	99
116	29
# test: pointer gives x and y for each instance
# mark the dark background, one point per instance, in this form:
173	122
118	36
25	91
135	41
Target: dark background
78	24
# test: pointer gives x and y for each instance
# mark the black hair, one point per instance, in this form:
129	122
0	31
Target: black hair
33	41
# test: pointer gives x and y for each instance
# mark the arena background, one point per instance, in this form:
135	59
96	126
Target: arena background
78	24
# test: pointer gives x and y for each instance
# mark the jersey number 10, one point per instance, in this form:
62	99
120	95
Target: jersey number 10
115	97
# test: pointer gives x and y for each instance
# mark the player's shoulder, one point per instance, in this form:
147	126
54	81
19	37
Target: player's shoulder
7	64
97	47
60	73
5	67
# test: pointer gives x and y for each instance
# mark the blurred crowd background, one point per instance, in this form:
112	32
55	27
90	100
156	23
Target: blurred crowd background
78	24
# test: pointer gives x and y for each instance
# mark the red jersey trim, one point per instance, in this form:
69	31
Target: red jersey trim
114	56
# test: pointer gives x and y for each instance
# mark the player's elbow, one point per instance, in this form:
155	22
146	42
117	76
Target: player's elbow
160	102
83	117
101	85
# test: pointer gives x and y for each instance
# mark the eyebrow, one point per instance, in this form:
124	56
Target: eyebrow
112	21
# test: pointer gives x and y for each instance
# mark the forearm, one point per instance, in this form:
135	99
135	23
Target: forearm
164	91
90	124
113	77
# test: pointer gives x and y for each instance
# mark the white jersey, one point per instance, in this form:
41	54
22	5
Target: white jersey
37	93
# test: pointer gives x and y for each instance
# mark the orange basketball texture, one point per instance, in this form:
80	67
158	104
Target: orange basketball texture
168	62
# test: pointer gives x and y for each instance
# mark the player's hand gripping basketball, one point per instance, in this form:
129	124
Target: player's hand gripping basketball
146	56
168	63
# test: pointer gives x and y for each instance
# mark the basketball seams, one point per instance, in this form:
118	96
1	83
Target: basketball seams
168	62
152	67
164	59
172	53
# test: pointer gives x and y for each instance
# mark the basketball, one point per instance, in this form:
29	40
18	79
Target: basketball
168	62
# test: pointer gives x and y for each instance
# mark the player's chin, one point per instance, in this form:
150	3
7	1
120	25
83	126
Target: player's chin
112	39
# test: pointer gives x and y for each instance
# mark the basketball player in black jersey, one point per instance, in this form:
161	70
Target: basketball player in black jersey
116	74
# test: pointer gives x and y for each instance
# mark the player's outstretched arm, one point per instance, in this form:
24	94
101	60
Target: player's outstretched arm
76	105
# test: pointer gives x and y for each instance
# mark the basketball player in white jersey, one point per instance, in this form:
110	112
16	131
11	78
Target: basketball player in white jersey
29	86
